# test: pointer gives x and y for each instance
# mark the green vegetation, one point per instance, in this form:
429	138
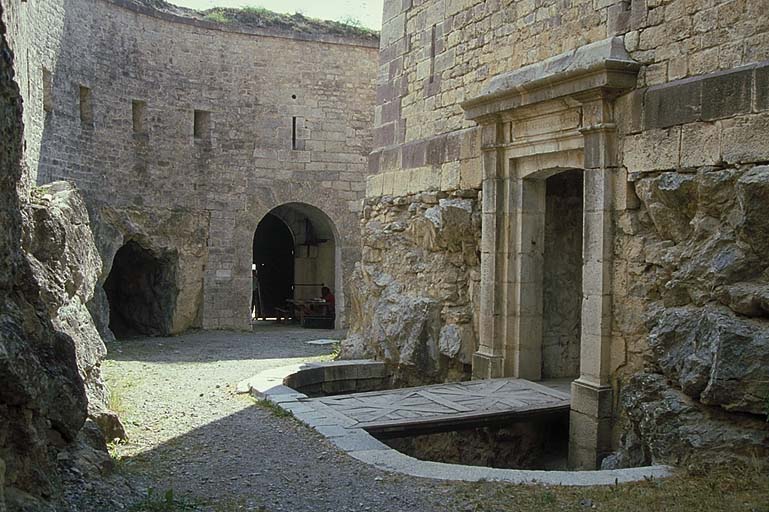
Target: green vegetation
117	385
218	16
258	16
275	409
732	488
351	22
166	502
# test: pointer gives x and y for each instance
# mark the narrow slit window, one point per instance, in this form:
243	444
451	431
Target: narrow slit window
138	109
86	106
202	124
293	133
47	91
432	54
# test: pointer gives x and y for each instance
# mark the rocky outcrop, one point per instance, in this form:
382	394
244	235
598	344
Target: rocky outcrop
704	392
714	356
49	348
670	427
175	240
412	294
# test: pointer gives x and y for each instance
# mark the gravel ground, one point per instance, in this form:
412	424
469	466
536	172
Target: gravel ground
191	433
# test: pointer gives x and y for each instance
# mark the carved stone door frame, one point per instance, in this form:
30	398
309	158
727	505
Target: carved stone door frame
535	122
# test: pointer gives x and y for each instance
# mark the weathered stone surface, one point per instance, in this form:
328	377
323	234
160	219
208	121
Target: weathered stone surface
749	299
702	284
727	94
49	348
671	428
670	199
672	104
176	238
66	265
411	303
714	356
753	196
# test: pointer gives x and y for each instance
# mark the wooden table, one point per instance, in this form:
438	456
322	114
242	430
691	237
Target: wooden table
310	307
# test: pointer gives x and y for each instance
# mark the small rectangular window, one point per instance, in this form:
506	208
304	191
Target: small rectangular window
298	133
86	106
202	124
432	54
47	91
137	111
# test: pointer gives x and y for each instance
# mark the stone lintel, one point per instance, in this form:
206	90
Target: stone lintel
603	67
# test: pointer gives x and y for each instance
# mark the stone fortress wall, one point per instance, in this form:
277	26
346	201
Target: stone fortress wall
183	134
662	108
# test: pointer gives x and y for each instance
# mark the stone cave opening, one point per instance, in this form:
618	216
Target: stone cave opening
295	256
562	275
141	292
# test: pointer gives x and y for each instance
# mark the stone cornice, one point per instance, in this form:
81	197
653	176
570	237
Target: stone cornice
603	67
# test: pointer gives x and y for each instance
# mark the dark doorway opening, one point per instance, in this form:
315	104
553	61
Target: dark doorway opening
141	293
562	286
274	264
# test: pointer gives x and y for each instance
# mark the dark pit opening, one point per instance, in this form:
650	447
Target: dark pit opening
141	292
539	442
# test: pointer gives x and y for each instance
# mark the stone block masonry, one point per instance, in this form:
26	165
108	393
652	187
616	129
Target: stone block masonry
147	111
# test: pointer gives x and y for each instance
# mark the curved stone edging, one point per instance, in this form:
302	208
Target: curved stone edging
359	444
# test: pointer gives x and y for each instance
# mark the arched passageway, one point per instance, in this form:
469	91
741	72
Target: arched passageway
141	292
295	256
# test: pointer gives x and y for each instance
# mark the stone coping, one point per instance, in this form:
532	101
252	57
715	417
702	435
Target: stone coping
359	444
603	65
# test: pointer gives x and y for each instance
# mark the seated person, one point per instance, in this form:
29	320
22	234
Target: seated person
325	294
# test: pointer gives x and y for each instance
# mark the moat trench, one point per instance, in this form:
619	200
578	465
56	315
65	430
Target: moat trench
534	440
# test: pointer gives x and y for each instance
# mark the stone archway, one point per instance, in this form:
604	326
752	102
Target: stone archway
315	253
141	292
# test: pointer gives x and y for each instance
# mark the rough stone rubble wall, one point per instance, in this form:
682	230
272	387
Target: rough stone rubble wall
49	347
252	86
699	114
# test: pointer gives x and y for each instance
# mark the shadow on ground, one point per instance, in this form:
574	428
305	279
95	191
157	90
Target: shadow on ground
267	341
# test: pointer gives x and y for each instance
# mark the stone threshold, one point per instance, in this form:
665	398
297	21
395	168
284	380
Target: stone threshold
340	430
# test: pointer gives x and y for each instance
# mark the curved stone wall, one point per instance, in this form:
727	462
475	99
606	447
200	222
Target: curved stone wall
172	117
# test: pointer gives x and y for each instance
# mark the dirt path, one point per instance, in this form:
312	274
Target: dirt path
190	432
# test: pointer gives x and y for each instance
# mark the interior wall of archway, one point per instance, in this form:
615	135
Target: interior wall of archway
315	253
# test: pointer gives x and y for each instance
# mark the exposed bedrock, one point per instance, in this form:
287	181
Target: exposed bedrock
714	356
412	293
65	263
49	348
704	393
667	426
